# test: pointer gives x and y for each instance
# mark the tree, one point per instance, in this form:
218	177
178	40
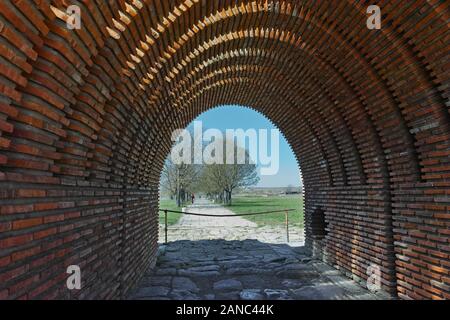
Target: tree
222	179
217	180
181	177
179	180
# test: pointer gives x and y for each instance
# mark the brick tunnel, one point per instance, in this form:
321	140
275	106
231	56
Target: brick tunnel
86	116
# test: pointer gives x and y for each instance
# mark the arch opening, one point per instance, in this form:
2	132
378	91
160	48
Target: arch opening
270	179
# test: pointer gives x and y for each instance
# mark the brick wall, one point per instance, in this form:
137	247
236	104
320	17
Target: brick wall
86	117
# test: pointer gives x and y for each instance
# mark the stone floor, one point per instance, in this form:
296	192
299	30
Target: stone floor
230	258
245	270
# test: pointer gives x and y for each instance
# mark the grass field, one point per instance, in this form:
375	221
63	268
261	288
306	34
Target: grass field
172	218
248	204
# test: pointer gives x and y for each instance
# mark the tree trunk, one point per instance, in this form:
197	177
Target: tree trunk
178	197
227	197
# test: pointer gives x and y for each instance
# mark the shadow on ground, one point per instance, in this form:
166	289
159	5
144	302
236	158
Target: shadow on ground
246	270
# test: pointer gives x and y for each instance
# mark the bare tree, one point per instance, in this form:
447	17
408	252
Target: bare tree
179	180
222	179
216	180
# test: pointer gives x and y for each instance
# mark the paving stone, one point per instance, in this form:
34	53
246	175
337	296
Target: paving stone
235	264
227	285
153	291
325	269
292	260
297	270
177	264
273	258
166	272
239	271
189	273
249	271
161	250
307	293
293	283
345	283
251	294
182	283
184	295
365	296
226	258
274	294
331	292
199	264
164	281
204	268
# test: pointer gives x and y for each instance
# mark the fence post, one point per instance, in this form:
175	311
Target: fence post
287	225
165	226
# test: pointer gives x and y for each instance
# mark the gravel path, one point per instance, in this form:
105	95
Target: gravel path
205	207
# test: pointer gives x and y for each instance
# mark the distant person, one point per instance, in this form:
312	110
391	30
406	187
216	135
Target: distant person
192	198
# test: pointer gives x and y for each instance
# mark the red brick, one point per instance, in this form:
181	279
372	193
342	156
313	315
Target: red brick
44	233
4	261
15	241
26	223
23	284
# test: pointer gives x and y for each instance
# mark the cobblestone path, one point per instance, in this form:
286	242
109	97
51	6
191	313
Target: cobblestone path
246	270
232	258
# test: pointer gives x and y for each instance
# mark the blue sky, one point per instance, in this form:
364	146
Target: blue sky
237	117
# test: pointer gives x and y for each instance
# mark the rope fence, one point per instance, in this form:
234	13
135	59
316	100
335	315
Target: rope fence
166	211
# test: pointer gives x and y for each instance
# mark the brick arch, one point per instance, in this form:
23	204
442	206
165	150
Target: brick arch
260	69
294	90
169	102
413	158
311	174
85	116
410	149
397	44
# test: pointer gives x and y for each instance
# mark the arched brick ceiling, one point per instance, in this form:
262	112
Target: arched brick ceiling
198	37
366	112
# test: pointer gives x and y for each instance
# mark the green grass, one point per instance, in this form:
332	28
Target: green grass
172	217
248	204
